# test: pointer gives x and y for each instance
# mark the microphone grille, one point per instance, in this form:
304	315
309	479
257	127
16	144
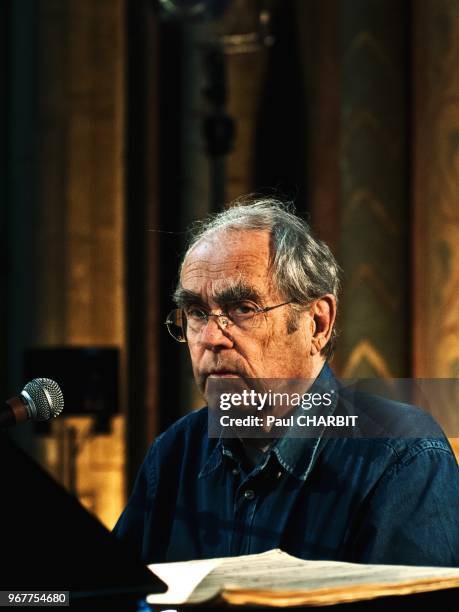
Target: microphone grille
47	398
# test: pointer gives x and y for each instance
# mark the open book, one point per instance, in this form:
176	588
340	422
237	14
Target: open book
275	578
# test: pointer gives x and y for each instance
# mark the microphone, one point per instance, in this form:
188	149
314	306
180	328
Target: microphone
40	400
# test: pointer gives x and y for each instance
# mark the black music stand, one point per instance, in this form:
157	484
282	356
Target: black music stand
49	541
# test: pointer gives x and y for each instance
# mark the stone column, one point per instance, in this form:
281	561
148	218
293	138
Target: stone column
67	208
436	201
374	250
436	189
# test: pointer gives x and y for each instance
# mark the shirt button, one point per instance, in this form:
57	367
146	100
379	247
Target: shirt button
235	471
278	475
249	494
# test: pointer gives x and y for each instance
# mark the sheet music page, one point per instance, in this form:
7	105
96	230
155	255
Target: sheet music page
277	570
181	577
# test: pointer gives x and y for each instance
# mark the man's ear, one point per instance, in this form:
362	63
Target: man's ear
323	313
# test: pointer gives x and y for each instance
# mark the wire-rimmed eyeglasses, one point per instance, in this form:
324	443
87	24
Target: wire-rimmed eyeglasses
189	321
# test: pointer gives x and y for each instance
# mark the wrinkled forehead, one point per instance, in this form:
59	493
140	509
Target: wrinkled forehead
230	260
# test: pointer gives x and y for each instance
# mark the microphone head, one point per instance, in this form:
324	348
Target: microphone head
44	398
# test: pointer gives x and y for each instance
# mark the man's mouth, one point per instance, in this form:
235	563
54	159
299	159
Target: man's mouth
223	374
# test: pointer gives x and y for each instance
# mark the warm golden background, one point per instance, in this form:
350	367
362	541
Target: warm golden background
353	112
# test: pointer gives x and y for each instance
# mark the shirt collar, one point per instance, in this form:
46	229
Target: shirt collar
295	454
298	454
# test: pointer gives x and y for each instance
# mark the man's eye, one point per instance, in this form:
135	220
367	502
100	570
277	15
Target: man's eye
243	309
192	312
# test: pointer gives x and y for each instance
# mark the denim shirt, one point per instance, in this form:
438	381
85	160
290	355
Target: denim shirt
392	500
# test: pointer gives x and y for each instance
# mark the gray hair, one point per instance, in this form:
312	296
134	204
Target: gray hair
304	268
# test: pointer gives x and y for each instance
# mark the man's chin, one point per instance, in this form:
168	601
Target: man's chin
224	382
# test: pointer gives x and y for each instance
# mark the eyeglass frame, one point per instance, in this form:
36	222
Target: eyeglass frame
207	315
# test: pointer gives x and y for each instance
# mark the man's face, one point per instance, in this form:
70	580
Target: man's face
232	264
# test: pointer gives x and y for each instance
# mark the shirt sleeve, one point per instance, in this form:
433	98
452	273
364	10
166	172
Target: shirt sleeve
132	525
412	516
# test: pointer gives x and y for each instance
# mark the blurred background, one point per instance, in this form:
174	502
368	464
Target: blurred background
122	121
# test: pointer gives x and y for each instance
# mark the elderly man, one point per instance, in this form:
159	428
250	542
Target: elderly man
257	299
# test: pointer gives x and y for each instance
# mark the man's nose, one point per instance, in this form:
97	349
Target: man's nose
213	334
